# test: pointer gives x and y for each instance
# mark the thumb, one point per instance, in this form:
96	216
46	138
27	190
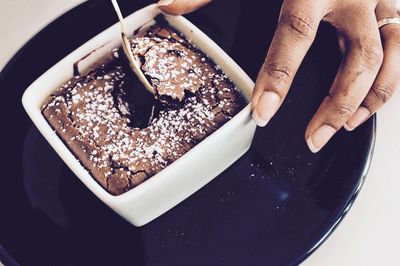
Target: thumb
179	7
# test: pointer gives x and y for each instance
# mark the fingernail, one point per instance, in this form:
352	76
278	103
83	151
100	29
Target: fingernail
357	119
165	2
266	108
258	120
320	137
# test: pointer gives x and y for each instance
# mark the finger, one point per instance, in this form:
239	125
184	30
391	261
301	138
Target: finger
388	78
354	78
179	7
297	27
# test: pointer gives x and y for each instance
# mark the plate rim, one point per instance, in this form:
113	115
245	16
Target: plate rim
348	206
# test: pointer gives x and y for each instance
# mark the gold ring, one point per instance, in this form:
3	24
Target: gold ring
386	21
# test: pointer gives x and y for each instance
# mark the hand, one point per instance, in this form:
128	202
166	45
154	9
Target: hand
365	81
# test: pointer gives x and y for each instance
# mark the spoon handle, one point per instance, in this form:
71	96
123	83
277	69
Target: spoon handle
126	45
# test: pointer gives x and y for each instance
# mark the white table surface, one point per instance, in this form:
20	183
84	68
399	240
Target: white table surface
369	234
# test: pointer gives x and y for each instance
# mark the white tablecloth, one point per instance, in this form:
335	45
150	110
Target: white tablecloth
369	234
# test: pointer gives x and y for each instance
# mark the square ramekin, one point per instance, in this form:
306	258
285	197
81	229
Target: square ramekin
186	175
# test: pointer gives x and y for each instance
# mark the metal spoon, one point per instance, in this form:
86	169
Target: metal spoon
126	45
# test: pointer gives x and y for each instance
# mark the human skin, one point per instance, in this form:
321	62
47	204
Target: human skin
366	79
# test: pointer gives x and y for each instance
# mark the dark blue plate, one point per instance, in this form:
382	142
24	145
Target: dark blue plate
272	207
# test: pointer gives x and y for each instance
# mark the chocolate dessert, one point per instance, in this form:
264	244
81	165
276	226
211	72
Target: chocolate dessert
123	134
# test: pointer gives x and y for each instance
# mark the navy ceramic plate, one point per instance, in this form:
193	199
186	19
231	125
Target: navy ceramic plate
272	207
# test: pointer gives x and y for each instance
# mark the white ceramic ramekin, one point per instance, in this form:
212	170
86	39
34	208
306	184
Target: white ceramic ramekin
189	173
